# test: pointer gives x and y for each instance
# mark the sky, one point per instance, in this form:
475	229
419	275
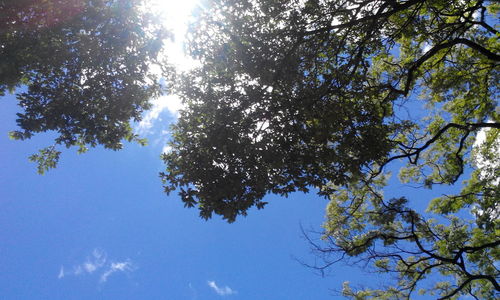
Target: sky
100	227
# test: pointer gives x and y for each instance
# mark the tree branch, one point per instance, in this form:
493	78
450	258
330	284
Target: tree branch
416	153
434	50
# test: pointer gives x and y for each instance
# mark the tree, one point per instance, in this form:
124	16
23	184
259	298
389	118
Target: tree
86	67
294	95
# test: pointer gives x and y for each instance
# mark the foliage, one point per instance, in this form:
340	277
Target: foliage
86	65
294	95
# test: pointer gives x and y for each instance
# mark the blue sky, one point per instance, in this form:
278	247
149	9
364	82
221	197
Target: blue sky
99	227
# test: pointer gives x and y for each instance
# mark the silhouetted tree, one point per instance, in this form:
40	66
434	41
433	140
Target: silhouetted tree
293	95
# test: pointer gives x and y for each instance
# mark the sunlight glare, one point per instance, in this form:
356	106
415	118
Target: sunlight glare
177	15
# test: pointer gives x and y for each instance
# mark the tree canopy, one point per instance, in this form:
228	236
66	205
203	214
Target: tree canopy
85	66
327	95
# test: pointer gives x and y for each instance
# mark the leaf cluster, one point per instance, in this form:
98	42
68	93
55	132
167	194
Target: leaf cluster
84	67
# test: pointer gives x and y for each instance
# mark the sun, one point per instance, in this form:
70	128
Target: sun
177	11
176	15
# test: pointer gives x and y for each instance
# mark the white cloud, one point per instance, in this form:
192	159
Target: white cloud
222	291
488	167
486	164
166	149
170	103
125	266
94	262
90	267
476	15
426	47
174	104
97	263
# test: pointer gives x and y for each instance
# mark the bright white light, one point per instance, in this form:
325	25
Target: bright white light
176	15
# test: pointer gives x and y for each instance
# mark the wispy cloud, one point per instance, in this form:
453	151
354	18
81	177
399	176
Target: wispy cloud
125	266
194	293
92	263
222	291
97	263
